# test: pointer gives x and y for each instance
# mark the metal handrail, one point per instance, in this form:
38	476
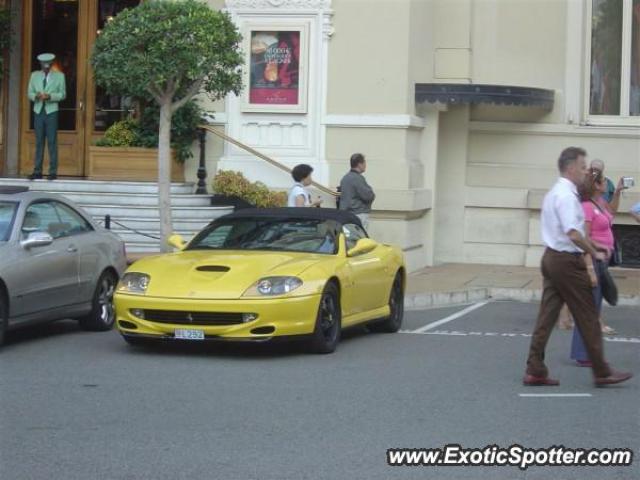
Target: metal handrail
264	157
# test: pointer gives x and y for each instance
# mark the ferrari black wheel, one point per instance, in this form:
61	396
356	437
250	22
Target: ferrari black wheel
326	334
393	322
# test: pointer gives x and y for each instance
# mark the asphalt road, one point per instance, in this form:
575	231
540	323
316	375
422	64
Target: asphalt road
77	405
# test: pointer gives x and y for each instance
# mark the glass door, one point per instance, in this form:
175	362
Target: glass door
69	29
59	28
104	110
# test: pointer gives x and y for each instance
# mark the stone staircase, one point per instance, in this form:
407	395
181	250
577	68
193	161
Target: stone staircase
133	207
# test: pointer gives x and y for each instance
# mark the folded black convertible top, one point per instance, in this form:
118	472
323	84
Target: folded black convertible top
340	216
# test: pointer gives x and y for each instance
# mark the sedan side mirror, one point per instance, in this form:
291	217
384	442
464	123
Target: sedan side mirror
36	239
364	245
176	241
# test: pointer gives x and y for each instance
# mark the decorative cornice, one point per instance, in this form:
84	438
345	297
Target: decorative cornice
284	4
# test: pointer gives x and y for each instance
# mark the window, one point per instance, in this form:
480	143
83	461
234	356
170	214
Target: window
71	222
352	233
55	218
614	61
38	217
7	214
111	108
278	234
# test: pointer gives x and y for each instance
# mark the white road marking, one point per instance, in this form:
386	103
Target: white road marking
459	314
467	334
622	339
577	395
506	334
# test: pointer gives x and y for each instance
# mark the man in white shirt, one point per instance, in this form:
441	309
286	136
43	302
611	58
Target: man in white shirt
565	275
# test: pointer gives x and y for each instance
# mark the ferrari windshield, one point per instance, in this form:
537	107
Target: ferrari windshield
304	235
7	215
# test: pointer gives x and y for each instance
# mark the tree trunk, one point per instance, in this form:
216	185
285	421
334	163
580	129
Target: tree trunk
164	175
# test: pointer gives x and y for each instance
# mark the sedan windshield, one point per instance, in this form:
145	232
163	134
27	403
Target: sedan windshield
7	216
307	235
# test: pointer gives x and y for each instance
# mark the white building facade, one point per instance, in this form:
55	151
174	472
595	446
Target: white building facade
459	177
461	108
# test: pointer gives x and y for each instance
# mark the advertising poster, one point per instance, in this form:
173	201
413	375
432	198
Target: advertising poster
275	71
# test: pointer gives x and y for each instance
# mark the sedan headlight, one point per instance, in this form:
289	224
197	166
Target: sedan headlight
269	286
134	283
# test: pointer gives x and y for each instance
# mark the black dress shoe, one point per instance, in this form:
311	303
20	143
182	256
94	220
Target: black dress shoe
52	176
35	176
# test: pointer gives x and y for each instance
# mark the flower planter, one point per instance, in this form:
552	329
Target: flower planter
128	163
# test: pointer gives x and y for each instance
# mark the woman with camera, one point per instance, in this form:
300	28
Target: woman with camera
598	222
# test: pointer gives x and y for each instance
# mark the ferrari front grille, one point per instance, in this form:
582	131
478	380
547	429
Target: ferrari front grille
193	318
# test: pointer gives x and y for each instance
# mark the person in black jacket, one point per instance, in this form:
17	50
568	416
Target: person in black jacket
356	195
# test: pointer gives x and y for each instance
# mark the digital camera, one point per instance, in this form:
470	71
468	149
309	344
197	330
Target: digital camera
628	182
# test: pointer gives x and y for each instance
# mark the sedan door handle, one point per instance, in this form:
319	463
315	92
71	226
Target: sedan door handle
72	249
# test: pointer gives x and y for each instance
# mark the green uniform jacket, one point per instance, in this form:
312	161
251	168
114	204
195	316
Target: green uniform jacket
56	88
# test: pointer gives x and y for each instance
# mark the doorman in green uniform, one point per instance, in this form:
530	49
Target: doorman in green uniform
46	89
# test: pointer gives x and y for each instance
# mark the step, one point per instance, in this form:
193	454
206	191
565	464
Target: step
137	199
91	186
143	248
153	225
140	236
206	214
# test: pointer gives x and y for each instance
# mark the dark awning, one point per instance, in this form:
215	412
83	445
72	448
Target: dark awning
457	93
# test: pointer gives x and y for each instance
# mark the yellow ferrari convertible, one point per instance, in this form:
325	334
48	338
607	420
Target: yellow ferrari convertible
265	274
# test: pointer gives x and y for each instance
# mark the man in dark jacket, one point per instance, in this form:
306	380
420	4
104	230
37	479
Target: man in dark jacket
356	195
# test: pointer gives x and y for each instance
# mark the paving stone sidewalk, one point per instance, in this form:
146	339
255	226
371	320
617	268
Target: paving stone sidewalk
451	284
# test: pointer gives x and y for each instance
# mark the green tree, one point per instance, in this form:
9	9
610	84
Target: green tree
170	50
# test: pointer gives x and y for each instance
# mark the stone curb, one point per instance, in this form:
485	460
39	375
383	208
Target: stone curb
417	301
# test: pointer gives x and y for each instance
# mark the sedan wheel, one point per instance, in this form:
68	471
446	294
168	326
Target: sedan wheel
328	322
102	314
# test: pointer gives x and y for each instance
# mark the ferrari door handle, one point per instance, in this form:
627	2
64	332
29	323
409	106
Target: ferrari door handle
72	249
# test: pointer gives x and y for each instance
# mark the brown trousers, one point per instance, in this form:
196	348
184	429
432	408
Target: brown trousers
566	281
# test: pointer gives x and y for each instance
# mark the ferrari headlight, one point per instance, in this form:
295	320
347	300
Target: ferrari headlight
134	283
269	286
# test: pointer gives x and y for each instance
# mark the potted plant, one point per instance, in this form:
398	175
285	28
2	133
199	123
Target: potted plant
232	188
128	150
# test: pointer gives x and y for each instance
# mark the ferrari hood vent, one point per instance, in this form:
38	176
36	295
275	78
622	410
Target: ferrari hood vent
212	268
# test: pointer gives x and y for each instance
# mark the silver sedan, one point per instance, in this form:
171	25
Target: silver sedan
55	263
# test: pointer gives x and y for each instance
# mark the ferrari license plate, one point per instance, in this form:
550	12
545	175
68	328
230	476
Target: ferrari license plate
189	334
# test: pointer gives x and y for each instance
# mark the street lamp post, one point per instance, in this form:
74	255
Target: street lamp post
202	169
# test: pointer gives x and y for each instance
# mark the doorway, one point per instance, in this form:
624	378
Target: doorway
68	29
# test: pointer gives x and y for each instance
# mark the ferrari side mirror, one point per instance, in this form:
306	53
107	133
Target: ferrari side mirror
176	241
364	245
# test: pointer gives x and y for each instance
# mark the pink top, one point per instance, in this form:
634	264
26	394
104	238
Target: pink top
601	221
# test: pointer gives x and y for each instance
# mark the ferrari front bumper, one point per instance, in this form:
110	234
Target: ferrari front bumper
275	317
